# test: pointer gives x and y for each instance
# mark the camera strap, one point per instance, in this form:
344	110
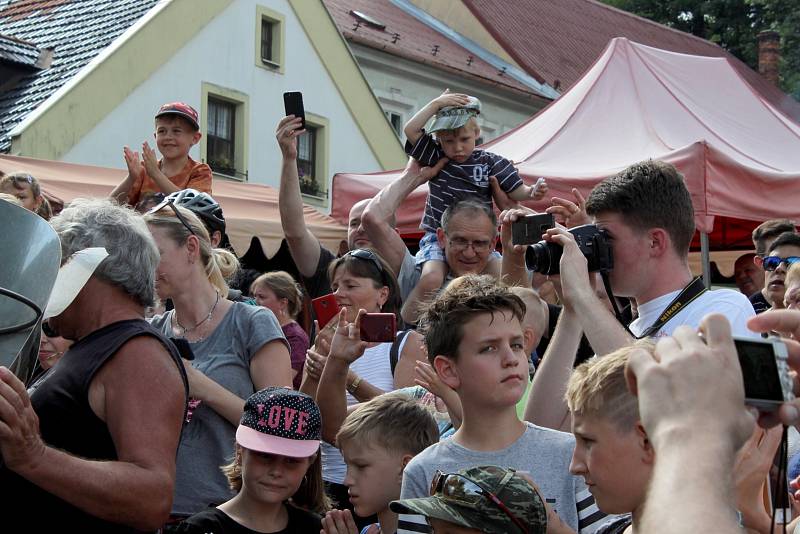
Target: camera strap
695	288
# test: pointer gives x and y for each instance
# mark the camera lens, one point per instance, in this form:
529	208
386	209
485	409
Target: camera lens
543	257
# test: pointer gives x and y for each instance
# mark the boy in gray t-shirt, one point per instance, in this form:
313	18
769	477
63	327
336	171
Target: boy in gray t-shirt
473	333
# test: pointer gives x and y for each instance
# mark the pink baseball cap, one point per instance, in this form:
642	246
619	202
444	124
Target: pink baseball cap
280	421
179	108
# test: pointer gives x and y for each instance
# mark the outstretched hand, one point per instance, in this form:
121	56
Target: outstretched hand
288	130
570	213
346	343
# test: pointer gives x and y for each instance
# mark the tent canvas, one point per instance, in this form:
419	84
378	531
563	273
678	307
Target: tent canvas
250	209
739	154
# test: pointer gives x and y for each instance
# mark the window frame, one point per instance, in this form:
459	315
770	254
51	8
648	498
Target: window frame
241	103
277	25
321	127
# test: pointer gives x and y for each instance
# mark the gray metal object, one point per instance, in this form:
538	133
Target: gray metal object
31	255
704	256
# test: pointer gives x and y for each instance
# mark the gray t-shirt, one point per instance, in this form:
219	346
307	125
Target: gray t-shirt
545	454
208	440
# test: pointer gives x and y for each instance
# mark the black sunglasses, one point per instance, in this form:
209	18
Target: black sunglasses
367	255
171	203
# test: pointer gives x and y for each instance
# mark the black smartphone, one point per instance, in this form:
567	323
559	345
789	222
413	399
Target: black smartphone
529	229
378	327
293	104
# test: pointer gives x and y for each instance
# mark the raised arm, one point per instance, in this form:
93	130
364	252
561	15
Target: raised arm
140	395
414	127
385	204
513	271
303	246
546	405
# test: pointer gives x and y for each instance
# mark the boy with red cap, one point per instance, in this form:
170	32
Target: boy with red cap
177	131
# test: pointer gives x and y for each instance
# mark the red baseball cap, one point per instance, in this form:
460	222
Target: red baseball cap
179	108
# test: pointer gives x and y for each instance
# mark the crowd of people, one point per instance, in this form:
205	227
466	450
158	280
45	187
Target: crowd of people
507	397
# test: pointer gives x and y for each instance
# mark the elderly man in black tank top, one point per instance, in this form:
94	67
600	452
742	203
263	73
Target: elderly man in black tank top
93	447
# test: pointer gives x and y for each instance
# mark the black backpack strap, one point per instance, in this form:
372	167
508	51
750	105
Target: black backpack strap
394	352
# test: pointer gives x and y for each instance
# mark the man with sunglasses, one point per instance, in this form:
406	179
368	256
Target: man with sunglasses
782	253
763	237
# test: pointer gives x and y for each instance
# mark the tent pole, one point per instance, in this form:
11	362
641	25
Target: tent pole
704	255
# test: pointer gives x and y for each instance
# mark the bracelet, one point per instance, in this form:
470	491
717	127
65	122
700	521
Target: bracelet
353	386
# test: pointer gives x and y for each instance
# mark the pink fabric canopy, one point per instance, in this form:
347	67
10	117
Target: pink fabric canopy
739	154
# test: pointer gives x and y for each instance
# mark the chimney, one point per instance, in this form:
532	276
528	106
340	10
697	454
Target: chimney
769	55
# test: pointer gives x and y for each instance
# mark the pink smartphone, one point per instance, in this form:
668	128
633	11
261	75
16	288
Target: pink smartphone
325	308
378	327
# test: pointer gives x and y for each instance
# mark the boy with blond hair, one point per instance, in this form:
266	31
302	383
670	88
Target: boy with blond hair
177	131
377	441
453	135
475	342
615	457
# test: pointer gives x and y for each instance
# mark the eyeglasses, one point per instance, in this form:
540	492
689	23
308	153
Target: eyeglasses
464	490
459	244
171	203
367	255
773	262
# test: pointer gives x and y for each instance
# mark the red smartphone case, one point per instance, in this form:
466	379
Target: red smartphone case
325	308
378	327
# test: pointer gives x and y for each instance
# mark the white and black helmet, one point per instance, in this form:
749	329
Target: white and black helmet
202	205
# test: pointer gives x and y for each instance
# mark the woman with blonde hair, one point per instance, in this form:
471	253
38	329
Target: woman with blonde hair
277	291
238	349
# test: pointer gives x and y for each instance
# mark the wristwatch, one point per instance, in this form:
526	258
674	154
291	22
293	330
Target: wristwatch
353	386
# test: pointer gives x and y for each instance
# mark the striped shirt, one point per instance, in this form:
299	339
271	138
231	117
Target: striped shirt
459	181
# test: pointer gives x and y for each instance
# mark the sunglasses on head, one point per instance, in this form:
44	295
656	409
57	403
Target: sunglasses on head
367	255
171	203
770	263
463	490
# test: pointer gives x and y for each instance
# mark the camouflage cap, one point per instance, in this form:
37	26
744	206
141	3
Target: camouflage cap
454	117
478	511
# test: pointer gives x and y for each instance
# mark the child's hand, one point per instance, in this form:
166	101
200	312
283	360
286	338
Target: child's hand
150	160
346	343
425	376
539	189
338	522
133	162
570	213
287	132
448	99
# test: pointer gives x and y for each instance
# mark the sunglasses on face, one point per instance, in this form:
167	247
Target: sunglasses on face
460	489
171	203
771	263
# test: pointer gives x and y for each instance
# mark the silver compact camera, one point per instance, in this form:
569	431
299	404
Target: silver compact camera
765	370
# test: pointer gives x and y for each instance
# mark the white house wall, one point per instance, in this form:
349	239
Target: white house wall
222	54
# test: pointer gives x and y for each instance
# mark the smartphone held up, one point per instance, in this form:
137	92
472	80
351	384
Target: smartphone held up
293	105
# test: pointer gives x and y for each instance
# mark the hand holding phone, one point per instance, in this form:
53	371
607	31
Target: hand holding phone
378	327
293	105
529	229
325	308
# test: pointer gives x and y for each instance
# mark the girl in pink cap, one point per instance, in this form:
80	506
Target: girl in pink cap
276	470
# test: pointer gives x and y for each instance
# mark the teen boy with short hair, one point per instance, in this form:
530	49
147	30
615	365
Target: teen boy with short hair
177	131
474	338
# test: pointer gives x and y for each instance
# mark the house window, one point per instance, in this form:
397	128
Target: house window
266	40
221	140
396	120
306	163
269	39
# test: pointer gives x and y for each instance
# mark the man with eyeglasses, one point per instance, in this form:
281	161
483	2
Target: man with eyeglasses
468	235
783	252
763	236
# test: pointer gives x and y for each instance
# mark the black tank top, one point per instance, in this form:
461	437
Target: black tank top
61	400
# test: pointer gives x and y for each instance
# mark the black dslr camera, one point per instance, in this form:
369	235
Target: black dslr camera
543	257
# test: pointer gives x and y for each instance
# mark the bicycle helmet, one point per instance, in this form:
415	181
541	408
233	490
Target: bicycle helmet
202	205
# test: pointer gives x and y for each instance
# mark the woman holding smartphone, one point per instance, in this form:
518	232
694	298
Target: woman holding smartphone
362	280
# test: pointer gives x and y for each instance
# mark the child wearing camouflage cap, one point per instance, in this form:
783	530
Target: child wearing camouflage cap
453	135
483	499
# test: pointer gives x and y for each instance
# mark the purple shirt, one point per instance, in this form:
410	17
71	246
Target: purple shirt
298	345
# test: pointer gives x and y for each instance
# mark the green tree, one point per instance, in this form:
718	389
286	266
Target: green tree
734	25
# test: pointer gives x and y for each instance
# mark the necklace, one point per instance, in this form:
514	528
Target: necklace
203	321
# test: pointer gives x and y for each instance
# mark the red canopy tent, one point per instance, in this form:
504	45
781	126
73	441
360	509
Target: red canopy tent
739	154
